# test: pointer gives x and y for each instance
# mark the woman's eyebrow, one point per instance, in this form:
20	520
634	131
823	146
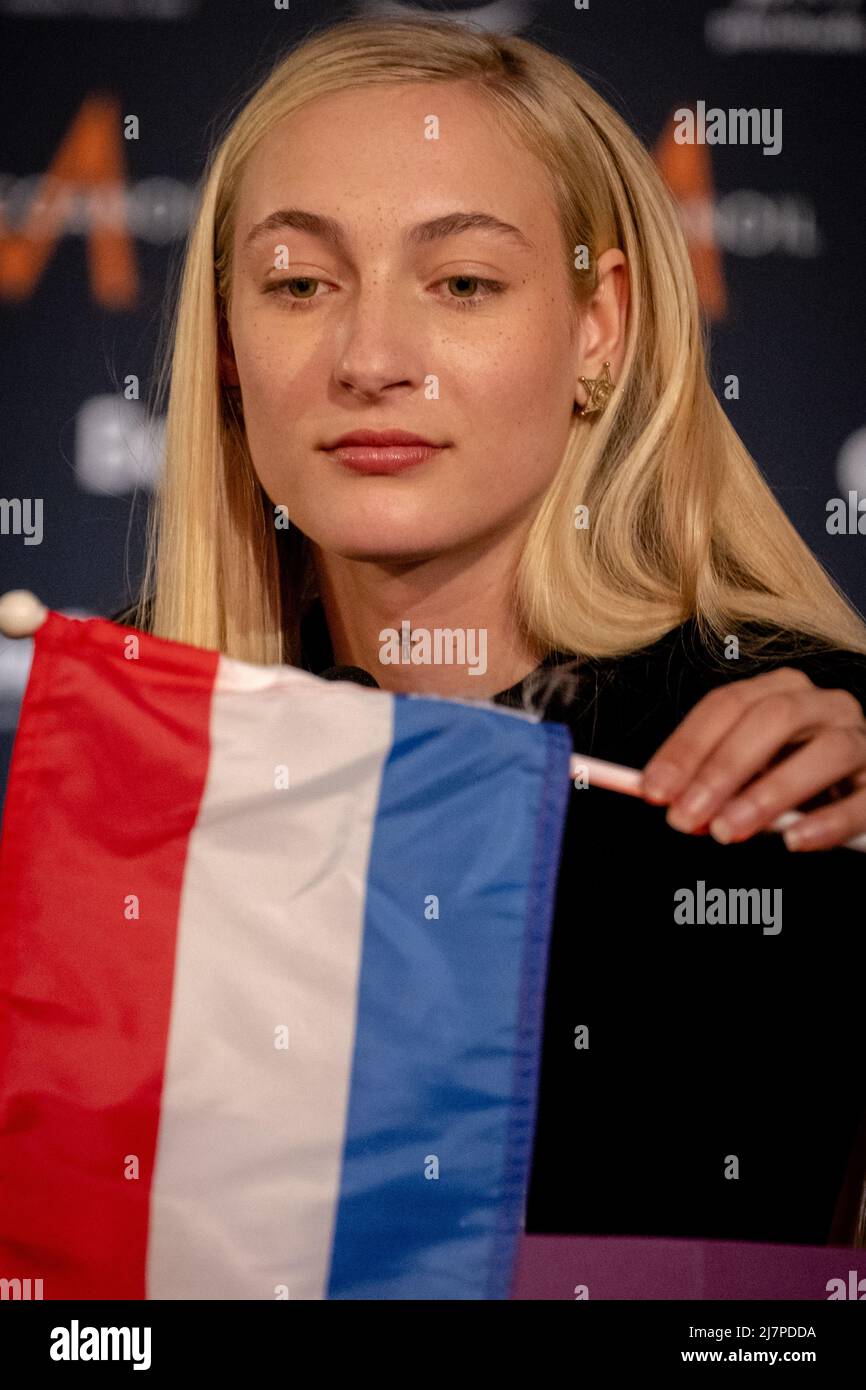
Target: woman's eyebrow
332	232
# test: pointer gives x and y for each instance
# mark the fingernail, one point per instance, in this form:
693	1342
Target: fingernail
735	819
799	836
691	809
661	781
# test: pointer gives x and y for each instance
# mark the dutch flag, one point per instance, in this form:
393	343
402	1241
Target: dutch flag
272	966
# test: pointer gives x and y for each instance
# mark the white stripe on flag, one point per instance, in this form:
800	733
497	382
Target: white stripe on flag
270	934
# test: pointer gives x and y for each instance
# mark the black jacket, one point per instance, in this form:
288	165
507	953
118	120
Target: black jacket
711	1048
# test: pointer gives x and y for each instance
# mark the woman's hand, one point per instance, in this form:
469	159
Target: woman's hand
759	746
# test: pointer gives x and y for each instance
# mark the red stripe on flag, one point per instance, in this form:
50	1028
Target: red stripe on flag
107	774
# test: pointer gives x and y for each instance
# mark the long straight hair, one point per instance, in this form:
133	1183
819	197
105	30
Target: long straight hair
682	524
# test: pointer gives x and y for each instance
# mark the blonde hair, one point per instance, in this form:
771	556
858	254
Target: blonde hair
681	522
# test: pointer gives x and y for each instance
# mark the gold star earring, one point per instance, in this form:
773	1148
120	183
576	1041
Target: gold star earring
598	392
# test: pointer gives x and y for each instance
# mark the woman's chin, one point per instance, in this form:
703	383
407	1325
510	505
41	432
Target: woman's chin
373	535
381	548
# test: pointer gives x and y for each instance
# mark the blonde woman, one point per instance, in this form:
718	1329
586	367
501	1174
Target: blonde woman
438	361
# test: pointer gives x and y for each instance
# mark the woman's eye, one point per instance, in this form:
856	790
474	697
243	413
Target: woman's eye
472	300
463	299
304	282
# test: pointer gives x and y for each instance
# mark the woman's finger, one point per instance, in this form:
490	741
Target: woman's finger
784	717
675	763
832	755
831	825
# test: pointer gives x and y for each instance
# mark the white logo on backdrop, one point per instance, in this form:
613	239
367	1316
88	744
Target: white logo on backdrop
786	26
851	463
117	446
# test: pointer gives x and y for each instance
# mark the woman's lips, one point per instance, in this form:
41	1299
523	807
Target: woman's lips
385	458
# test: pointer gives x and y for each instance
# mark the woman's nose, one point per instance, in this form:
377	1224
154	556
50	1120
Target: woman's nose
381	343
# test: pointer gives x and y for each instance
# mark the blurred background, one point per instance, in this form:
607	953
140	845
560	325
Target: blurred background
107	110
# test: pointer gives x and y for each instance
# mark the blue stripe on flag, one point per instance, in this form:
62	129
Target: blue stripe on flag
448	1038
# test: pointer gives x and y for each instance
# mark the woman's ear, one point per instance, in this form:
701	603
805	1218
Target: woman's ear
603	322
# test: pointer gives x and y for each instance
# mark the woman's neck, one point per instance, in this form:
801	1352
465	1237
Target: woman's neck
438	627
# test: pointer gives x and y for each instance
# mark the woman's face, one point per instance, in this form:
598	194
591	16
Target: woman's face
387	327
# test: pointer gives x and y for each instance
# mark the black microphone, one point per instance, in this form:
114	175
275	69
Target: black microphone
349	673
